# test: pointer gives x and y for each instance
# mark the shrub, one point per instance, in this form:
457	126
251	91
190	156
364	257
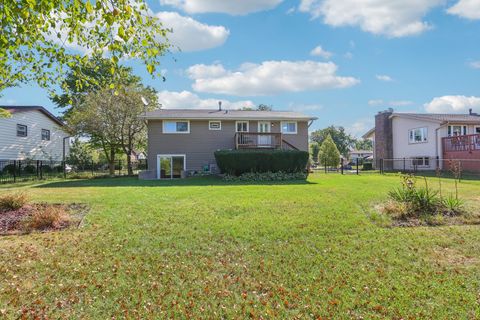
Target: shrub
453	205
267	176
13	201
237	162
367	166
9	168
46	217
31	169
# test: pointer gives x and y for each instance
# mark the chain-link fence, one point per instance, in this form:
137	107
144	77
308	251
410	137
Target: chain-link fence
12	171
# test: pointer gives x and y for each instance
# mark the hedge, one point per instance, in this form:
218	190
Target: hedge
237	162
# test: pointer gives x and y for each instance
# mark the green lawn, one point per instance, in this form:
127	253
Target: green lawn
203	248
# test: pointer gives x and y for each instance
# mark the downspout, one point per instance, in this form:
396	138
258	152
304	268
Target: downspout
436	136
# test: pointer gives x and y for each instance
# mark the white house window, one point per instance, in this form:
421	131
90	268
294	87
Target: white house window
289	127
214	125
21	130
418	135
45	134
176	127
457	130
421	162
241	126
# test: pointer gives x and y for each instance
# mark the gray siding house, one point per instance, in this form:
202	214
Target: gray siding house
183	141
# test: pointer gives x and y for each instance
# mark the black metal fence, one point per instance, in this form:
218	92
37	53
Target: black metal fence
423	166
12	171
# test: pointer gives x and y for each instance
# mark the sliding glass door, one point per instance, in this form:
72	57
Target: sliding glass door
170	166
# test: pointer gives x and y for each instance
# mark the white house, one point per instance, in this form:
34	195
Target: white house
32	132
408	140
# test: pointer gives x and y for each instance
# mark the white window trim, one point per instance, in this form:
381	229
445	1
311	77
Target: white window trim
49	134
170	155
177	132
416	142
423	160
242	121
463	126
296	127
214	129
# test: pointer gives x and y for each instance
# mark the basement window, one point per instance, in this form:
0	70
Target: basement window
421	162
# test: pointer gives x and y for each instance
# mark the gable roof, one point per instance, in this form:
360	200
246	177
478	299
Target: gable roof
15	109
440	117
215	114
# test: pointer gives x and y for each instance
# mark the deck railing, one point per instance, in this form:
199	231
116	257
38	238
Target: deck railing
464	143
258	140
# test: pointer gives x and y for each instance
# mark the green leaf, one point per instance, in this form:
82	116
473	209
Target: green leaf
88	7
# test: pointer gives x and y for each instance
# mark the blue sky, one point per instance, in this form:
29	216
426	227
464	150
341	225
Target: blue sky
339	60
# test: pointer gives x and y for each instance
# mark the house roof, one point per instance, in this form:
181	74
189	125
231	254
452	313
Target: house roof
369	133
193	114
15	109
440	117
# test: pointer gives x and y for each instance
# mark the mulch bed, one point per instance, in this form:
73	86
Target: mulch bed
11	220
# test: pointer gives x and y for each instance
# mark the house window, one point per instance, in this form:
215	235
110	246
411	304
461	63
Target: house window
289	127
176	127
421	162
457	130
418	135
21	130
241	126
214	125
45	134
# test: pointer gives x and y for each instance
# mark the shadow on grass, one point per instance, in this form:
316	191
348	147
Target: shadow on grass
135	182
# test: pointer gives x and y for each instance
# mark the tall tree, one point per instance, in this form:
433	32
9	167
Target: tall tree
4	113
340	137
264	107
329	154
364	144
97	75
130	106
98	119
37	37
314	150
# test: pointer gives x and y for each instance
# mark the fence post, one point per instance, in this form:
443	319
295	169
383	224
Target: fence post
92	170
357	166
325	165
119	168
381	166
341	163
38	161
64	163
438	162
41	170
14	171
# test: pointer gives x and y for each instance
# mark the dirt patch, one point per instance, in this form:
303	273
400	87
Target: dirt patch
19	221
453	258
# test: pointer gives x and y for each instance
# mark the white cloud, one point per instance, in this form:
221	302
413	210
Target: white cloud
269	77
190	35
233	7
359	127
190	100
452	104
304	107
469	9
393	18
383	77
318	51
475	64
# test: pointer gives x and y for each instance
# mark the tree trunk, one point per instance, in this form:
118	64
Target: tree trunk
129	162
111	162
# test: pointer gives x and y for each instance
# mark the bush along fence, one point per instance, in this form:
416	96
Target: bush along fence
12	171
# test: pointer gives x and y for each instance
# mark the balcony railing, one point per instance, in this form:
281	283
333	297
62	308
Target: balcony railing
258	140
465	143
